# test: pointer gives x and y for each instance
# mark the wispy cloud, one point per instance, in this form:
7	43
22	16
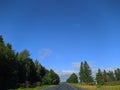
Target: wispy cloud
44	53
76	64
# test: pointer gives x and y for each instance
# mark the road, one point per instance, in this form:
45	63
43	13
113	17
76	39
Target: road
63	86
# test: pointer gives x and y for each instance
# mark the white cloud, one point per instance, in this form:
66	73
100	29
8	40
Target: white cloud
44	53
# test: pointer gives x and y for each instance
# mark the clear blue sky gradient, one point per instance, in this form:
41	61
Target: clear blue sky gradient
70	30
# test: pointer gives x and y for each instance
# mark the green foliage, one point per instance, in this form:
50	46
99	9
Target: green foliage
81	73
8	66
40	71
72	79
105	76
24	55
117	74
18	69
51	78
1	39
85	73
110	76
99	78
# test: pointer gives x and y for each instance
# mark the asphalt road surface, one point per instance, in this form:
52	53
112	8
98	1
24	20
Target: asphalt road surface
63	86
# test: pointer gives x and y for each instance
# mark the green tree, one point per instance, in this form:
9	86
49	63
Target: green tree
85	73
110	76
24	55
72	79
55	77
8	66
117	74
27	70
99	77
1	39
88	73
47	79
17	68
105	76
51	78
40	71
81	73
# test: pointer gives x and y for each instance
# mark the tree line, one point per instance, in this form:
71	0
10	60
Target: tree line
17	69
111	77
101	78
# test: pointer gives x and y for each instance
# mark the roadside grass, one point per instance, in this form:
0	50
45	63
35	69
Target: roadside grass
94	87
86	87
109	88
36	88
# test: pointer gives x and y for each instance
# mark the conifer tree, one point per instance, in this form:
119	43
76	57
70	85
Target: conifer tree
99	77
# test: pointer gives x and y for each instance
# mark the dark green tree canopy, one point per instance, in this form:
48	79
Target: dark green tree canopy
51	78
18	69
1	39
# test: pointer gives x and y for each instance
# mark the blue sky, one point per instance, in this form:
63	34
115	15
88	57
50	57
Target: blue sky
62	33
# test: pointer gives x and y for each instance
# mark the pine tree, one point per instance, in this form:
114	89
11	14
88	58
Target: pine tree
88	73
111	76
117	74
81	73
105	76
85	73
99	77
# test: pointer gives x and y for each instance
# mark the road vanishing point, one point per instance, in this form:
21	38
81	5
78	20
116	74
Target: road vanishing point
63	86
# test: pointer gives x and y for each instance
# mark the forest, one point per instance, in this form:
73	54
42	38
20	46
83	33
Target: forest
18	69
102	77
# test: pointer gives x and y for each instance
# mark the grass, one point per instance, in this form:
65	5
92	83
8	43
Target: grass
94	87
36	88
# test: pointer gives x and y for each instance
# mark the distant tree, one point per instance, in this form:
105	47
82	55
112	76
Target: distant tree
81	73
110	76
105	76
117	74
99	77
72	79
85	73
88	73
